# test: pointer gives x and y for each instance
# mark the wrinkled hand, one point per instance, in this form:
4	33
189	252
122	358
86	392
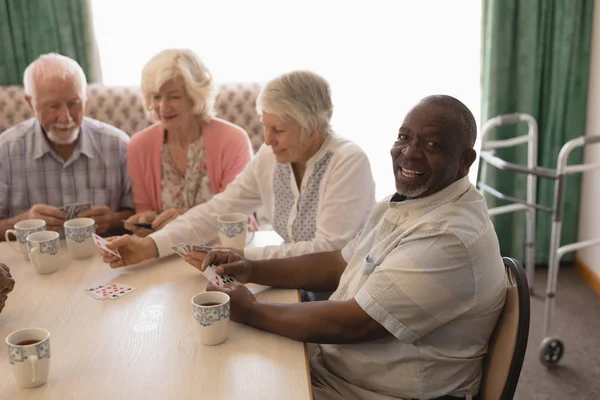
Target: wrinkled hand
241	299
145	217
165	217
101	215
227	262
7	284
53	216
132	249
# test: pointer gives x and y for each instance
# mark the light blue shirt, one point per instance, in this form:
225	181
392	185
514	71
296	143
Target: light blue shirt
31	172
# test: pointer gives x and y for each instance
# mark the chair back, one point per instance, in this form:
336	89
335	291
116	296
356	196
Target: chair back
506	351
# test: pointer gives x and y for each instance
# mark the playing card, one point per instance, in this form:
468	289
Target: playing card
211	275
92	291
111	291
178	249
78	207
101	242
200	247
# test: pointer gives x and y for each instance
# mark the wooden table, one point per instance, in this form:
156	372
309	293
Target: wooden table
144	345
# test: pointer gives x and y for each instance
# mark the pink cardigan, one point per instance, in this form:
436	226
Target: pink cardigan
227	151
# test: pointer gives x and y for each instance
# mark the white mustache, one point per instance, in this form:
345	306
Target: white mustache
65	126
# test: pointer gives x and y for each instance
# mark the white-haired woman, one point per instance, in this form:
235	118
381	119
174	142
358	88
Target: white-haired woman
188	155
315	188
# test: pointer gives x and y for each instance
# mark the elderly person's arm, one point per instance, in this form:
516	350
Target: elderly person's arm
7	283
318	322
411	293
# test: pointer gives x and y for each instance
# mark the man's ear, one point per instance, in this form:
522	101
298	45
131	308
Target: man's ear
29	101
467	159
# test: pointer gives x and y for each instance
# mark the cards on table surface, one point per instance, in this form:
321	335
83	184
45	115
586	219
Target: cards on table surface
101	242
182	248
212	276
74	208
111	291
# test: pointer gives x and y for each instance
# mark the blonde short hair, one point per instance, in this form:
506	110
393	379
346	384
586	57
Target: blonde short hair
184	64
301	96
51	66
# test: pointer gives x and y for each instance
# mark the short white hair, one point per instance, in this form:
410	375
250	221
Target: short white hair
51	66
301	96
184	64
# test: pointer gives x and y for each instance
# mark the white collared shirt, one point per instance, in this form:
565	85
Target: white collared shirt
429	270
335	197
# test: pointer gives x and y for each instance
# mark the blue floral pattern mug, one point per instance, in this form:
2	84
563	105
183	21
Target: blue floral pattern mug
29	356
43	250
78	232
211	310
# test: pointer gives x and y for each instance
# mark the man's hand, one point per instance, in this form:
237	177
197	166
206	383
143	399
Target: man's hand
101	215
165	217
226	261
144	217
132	249
53	216
241	300
7	284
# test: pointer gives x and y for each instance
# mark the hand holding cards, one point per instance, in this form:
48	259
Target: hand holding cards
210	273
74	208
101	243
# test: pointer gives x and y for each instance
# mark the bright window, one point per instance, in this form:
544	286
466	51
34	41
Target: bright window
380	56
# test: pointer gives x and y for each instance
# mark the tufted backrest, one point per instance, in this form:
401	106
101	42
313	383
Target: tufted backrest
122	106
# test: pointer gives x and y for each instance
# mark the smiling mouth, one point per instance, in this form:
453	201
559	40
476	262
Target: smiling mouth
411	174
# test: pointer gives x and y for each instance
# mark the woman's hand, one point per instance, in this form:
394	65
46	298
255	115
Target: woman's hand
146	217
165	217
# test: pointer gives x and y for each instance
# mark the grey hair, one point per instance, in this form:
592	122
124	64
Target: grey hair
462	117
301	96
184	64
50	66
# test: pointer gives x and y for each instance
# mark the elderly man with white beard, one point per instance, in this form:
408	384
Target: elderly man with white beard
60	157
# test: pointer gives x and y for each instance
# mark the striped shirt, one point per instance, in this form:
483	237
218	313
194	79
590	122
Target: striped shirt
31	172
429	270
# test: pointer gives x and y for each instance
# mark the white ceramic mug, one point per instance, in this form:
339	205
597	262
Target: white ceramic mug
21	231
78	232
233	229
43	251
211	311
29	356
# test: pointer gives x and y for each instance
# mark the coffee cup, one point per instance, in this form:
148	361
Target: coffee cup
43	251
29	356
21	231
78	232
233	229
211	311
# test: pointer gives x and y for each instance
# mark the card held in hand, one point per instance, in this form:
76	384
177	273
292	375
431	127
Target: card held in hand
220	280
101	242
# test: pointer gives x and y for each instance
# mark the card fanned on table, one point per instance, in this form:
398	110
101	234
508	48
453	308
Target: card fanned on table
111	291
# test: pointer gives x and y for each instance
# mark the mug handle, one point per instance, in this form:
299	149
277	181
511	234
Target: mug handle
8	241
34	367
33	256
249	238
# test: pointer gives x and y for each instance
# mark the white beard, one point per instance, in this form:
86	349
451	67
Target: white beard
61	138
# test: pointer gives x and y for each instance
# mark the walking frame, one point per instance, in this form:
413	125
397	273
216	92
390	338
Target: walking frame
551	348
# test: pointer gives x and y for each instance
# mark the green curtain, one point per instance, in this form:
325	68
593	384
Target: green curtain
29	28
535	60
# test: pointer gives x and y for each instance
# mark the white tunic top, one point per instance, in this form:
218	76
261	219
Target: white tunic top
336	194
429	270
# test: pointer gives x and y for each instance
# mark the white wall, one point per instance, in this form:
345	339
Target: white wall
589	219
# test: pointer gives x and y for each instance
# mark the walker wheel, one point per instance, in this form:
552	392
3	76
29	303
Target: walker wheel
551	351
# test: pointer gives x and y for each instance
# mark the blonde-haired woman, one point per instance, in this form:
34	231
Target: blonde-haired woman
188	155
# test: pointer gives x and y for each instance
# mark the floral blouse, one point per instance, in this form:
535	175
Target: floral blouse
185	191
